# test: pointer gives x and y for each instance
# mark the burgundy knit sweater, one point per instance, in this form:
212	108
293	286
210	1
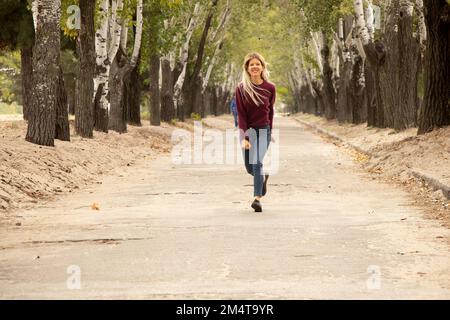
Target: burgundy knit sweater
252	115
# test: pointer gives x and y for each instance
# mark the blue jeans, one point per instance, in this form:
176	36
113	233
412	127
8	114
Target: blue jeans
235	115
260	140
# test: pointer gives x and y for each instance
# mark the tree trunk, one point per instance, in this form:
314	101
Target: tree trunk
26	55
167	106
397	73
318	107
103	61
344	104
376	53
435	112
195	85
62	131
358	105
117	116
328	89
176	72
370	96
155	114
207	101
409	60
132	97
41	125
84	110
71	97
121	70
214	102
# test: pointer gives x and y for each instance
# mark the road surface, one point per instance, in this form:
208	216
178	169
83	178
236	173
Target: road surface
166	231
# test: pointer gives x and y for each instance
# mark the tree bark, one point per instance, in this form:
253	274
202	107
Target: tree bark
155	115
357	91
344	104
394	61
193	101
370	96
101	85
132	93
121	69
167	105
329	94
84	110
62	130
41	125
180	70
117	116
435	112
26	55
398	75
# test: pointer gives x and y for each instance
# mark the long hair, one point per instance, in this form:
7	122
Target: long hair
248	86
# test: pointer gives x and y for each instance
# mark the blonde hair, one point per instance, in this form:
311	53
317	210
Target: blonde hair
248	86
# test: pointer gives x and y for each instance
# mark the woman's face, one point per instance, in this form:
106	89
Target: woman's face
255	67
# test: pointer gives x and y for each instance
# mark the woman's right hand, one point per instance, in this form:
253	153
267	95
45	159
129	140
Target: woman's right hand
246	144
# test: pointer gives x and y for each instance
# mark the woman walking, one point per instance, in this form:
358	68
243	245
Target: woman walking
255	99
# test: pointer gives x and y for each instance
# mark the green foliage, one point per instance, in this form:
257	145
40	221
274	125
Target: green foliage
323	15
13	108
17	24
66	17
174	121
282	91
10	81
267	27
145	115
196	116
421	84
310	61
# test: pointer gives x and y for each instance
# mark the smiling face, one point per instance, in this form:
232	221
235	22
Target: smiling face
255	68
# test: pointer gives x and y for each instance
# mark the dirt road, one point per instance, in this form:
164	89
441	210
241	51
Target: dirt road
328	231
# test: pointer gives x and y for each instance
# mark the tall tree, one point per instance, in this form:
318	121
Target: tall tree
18	33
41	125
62	130
394	60
132	96
180	71
84	110
435	112
107	43
122	67
192	91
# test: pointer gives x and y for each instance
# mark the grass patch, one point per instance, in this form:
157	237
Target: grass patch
13	108
196	116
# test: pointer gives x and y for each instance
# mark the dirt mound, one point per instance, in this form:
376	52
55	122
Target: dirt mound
404	158
428	153
30	172
392	151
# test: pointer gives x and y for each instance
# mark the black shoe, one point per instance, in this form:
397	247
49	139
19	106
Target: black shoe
257	206
264	191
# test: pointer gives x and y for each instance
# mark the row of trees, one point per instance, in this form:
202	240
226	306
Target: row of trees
354	68
168	47
327	57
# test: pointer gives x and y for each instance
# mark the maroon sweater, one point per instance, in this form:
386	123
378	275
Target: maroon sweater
252	115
